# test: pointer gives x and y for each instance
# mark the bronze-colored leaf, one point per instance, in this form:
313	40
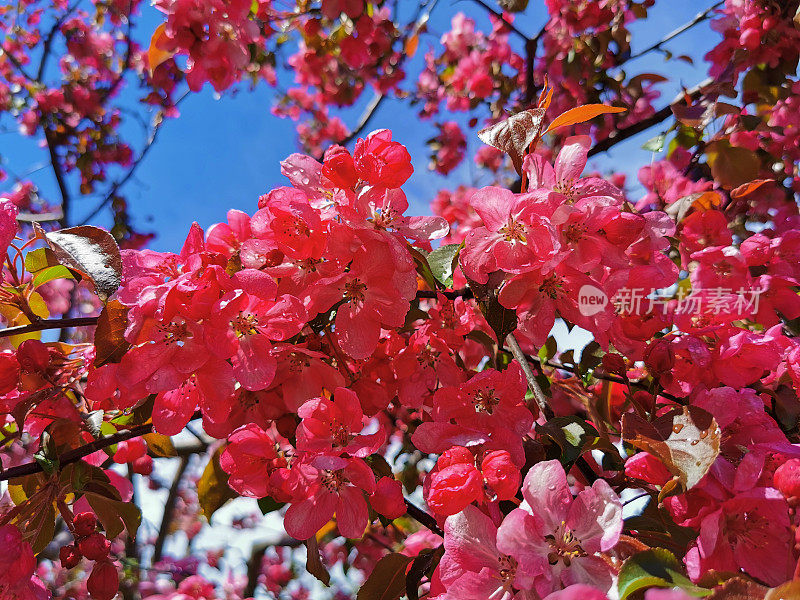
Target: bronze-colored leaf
314	561
732	166
212	487
685	439
159	445
109	335
515	134
90	251
387	580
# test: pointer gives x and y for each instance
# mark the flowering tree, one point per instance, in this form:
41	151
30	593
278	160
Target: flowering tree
387	385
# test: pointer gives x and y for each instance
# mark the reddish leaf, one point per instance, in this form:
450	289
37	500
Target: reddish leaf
515	134
314	562
685	439
581	114
411	46
109	336
387	580
748	188
157	52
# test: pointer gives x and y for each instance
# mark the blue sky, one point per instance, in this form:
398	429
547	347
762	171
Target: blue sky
223	152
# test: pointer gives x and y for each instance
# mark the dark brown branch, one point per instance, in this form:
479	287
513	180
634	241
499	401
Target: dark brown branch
48	42
465	293
169	509
254	569
59	175
112	192
366	117
659	116
76	454
534	386
48	324
500	16
698	18
423	518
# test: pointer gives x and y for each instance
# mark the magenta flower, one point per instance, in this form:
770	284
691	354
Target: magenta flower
556	539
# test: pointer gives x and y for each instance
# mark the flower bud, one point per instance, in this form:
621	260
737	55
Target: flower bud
501	474
84	523
103	583
33	356
69	556
95	546
338	166
658	358
388	498
143	465
787	478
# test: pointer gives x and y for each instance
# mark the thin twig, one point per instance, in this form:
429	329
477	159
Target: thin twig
500	16
366	117
423	518
59	175
43	324
534	386
698	18
169	509
158	122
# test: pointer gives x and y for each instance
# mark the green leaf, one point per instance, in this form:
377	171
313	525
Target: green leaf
655	144
442	262
502	320
572	434
656	567
268	505
39	259
387	580
422	266
50	274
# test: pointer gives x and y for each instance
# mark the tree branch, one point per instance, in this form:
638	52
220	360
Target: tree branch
615	137
500	16
698	18
157	123
59	174
534	386
76	454
169	509
49	324
423	518
366	117
465	293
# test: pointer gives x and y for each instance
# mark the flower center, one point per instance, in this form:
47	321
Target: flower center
354	291
574	232
333	480
507	569
485	401
551	286
564	546
513	231
244	324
